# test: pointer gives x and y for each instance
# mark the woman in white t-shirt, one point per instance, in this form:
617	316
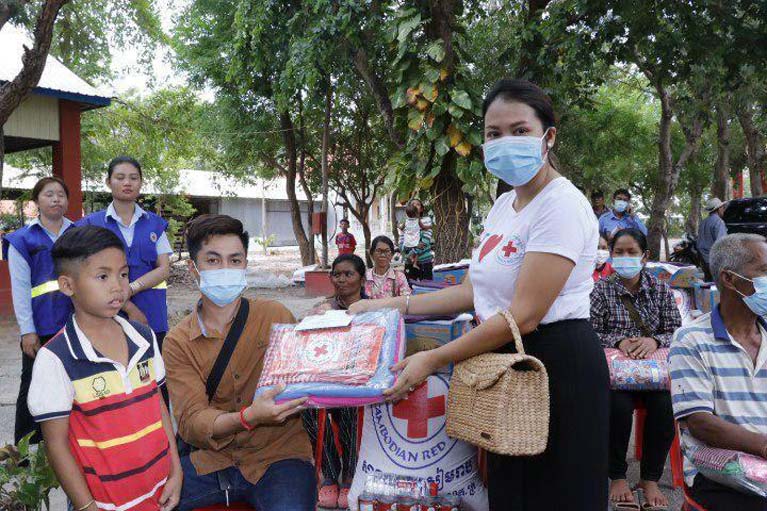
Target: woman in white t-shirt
535	259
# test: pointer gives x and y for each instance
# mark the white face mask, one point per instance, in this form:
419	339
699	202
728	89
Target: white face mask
602	257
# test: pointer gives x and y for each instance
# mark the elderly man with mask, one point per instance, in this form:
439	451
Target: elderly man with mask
719	369
711	229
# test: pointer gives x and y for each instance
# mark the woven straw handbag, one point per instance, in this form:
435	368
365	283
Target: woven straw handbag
500	402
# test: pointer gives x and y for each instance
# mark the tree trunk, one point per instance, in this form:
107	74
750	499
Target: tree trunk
722	167
325	148
289	138
451	222
367	235
693	219
393	218
669	170
755	148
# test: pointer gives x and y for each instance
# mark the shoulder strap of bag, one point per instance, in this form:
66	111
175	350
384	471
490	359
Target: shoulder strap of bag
633	312
219	366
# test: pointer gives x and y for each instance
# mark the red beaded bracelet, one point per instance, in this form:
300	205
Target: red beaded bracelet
243	421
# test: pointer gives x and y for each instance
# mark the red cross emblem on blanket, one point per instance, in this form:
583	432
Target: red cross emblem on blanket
417	409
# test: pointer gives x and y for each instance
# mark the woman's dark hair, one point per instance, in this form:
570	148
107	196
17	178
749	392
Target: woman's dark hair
38	189
204	226
123	159
357	262
638	236
381	239
522	91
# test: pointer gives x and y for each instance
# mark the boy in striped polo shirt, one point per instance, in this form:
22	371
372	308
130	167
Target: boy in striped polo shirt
95	388
719	369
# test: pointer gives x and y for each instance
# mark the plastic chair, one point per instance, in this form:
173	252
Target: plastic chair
677	473
677	466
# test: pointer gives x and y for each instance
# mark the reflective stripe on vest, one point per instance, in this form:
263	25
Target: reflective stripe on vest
161	285
45	287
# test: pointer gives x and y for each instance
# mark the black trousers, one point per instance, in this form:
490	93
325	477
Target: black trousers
336	467
25	424
657	436
425	271
572	473
716	497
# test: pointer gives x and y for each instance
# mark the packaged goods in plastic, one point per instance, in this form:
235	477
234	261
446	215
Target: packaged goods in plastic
409	438
737	470
676	275
645	374
345	366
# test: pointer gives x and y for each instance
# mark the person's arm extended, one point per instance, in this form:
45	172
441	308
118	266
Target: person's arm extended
154	277
717	432
451	300
68	472
171	494
541	279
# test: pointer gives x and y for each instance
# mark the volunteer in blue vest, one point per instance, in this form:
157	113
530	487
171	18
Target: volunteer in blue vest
146	245
41	310
535	261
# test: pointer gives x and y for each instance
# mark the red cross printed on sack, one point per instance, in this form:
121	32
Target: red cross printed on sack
509	249
417	409
320	350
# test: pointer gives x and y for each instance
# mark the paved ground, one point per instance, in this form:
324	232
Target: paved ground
180	300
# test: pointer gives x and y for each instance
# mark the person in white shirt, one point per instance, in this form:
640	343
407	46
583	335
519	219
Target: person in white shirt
535	259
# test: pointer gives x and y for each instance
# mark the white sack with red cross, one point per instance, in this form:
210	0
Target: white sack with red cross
409	438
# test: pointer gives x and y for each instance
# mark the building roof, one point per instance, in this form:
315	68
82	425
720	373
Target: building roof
57	80
194	183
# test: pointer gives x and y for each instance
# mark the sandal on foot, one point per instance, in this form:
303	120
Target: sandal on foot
649	507
328	495
627	506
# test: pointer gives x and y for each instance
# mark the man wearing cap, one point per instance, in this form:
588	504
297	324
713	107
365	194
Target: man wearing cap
711	229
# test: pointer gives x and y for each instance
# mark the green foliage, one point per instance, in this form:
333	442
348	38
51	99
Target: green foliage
26	479
266	242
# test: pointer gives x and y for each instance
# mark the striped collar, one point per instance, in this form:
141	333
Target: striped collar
80	346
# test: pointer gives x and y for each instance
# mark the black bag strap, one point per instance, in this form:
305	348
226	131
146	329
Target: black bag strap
633	312
225	355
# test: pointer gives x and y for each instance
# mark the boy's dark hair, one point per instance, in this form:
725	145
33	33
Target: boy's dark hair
203	227
343	220
42	183
621	191
597	194
79	243
638	236
411	210
123	159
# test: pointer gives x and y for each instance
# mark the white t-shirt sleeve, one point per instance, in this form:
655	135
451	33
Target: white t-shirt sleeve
553	232
163	245
51	392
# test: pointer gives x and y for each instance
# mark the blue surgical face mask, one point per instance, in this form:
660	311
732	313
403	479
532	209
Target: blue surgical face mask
757	302
620	206
627	267
515	160
222	286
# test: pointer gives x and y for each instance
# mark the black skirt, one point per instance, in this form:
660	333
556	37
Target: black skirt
572	473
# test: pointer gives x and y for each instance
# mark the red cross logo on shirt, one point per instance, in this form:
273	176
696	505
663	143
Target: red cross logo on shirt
320	350
509	249
417	409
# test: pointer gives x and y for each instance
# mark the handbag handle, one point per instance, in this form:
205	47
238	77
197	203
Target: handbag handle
514	330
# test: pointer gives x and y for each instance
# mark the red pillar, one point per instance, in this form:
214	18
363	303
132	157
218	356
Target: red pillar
66	156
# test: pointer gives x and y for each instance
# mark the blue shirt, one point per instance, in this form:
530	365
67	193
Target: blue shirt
163	245
21	280
609	224
712	373
711	229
